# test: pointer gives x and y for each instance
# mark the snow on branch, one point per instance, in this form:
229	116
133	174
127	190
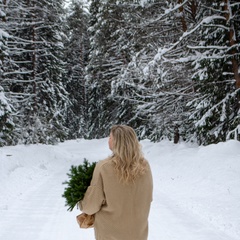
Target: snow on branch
163	51
235	132
166	13
209	113
3	34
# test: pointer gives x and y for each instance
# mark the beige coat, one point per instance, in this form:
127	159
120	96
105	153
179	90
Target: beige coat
121	210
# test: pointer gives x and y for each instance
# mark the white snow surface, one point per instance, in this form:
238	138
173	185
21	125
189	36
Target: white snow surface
196	190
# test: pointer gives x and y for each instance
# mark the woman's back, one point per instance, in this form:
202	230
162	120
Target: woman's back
124	215
120	193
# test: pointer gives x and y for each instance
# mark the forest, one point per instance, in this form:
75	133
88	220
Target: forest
170	69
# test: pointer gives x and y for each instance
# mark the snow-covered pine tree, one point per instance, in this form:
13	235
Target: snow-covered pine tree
216	111
35	70
100	62
111	38
156	80
6	110
76	54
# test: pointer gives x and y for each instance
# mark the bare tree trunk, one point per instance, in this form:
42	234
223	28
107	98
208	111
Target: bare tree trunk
176	134
183	20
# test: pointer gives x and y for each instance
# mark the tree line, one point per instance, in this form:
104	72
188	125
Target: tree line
169	69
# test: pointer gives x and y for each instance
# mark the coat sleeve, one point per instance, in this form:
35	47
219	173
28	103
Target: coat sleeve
94	197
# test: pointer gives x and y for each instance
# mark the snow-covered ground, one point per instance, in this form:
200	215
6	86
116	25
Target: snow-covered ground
196	190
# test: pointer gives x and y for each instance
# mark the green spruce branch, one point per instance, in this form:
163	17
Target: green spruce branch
79	179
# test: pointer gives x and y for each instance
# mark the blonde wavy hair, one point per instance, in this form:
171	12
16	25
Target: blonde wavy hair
127	155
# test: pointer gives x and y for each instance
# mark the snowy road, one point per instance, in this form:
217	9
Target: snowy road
39	214
176	223
37	211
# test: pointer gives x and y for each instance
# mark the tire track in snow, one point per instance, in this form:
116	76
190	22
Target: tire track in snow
41	214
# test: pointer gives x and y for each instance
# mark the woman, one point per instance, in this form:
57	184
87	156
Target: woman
120	193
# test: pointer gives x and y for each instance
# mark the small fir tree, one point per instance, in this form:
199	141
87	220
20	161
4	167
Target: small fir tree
79	179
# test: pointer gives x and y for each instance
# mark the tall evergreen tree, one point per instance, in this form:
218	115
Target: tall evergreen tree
35	70
6	109
76	54
216	110
111	46
157	82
